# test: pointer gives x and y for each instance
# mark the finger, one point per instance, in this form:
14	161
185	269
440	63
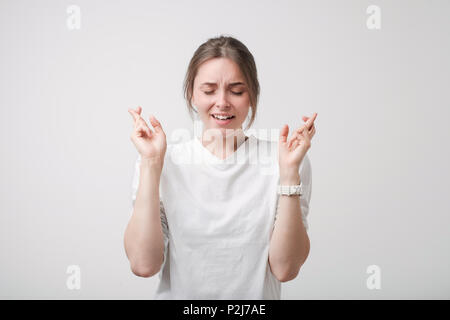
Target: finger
307	125
143	129
140	122
155	123
139	131
311	120
313	131
133	114
306	136
300	130
292	139
148	131
284	133
297	141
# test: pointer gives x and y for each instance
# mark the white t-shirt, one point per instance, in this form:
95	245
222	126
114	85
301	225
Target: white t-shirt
217	217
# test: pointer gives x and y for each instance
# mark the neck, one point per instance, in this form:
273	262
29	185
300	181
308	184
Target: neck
222	145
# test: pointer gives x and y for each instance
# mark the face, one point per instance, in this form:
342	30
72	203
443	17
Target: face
221	95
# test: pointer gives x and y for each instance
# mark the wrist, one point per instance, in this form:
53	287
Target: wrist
289	176
153	165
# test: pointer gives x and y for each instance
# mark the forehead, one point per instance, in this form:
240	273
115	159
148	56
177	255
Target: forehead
218	70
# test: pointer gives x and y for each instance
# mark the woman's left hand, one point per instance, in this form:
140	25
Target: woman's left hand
291	152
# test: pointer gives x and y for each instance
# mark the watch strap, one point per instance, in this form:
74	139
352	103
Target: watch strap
290	190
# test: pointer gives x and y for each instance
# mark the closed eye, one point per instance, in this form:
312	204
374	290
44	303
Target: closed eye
235	93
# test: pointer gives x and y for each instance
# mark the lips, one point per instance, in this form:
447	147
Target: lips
219	116
222	122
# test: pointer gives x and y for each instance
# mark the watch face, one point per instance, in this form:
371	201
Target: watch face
296	189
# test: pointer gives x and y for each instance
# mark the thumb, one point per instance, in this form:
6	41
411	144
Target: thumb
155	123
284	133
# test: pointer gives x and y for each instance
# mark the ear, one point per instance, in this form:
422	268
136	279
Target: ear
193	103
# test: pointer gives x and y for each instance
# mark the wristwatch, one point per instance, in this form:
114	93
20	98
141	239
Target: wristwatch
290	190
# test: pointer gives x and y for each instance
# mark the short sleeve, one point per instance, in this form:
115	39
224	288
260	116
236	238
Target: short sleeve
162	211
306	183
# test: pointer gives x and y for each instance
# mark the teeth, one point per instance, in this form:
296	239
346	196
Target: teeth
222	117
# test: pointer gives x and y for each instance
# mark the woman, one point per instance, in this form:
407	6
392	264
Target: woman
204	221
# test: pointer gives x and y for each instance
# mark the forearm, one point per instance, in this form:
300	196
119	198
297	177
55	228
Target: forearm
144	242
289	244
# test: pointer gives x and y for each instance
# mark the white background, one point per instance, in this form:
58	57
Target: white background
379	158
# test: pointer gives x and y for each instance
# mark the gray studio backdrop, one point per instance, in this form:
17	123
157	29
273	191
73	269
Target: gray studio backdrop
377	73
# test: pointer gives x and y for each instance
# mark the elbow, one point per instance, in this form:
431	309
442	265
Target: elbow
283	272
287	275
286	271
143	266
144	271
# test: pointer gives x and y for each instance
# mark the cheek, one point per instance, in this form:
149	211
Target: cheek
243	107
244	102
204	103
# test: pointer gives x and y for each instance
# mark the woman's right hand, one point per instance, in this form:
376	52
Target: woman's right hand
150	144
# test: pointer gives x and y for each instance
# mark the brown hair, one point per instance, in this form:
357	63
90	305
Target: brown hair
226	47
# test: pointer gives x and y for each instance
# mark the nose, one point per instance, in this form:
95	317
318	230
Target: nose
222	102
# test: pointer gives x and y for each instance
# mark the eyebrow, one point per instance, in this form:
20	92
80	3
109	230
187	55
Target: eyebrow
230	85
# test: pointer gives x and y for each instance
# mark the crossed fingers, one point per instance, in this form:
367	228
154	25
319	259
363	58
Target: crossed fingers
306	131
140	126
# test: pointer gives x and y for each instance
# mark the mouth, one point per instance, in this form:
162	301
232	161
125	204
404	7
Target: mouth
223	119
